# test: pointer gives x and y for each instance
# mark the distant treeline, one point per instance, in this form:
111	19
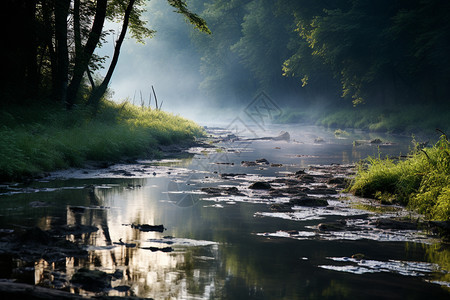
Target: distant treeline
380	52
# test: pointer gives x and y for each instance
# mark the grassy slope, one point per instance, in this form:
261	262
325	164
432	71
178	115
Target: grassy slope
422	181
46	137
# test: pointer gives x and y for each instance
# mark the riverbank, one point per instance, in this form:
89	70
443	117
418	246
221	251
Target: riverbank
45	137
412	119
420	181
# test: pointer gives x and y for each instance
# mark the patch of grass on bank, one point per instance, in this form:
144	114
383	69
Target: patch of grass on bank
46	137
422	181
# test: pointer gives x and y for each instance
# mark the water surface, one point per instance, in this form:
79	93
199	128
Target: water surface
227	247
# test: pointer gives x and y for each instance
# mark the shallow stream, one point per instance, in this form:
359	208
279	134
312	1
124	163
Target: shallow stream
227	243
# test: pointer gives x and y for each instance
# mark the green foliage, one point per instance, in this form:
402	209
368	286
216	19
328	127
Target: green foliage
422	181
194	19
45	138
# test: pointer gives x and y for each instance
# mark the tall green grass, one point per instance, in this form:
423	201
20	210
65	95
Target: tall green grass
42	138
422	181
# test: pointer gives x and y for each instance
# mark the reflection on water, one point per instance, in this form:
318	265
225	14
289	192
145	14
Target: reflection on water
227	247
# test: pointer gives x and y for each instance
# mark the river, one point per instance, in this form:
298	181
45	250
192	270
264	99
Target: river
226	245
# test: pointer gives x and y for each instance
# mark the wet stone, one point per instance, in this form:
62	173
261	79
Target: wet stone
281	207
306	178
337	180
260	185
300	172
248	163
322	191
308	201
217	191
287	181
224	175
394	224
332	226
262	161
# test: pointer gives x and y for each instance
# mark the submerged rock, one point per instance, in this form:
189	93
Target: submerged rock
260	185
219	191
281	207
262	161
224	175
322	191
306	178
332	226
246	163
394	224
308	201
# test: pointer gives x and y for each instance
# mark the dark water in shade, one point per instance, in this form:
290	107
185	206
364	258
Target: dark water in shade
227	247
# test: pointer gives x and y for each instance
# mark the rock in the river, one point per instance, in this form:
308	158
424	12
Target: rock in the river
308	201
337	180
260	185
300	172
322	191
225	175
262	161
218	191
306	178
281	207
332	226
394	224
246	163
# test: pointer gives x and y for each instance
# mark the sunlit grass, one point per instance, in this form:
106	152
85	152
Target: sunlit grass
422	181
45	137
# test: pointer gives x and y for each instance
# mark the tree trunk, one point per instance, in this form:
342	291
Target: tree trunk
62	50
76	26
49	32
82	59
31	69
98	93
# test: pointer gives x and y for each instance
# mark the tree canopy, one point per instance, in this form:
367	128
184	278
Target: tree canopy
365	51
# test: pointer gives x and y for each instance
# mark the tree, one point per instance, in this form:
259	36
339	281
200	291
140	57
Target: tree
53	47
